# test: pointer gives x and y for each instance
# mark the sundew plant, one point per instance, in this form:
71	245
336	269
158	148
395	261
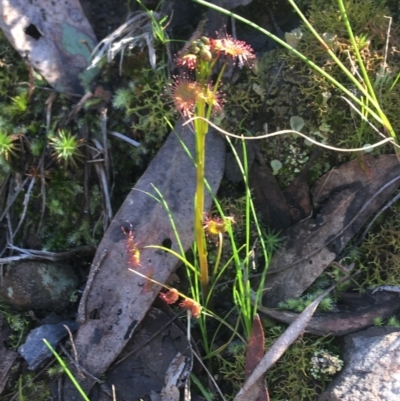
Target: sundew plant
197	97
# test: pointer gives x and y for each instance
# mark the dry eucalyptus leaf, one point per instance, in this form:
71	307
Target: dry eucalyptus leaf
54	37
119	299
344	198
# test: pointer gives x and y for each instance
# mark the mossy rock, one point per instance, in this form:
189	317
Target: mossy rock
38	285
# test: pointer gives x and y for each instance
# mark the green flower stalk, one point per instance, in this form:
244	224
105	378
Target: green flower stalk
195	95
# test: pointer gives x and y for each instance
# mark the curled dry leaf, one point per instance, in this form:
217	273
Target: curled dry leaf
344	198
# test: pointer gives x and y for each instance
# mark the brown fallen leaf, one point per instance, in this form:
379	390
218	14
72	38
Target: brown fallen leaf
254	354
344	199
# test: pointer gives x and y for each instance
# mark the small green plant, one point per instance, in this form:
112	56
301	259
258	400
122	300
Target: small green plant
8	145
66	148
19	323
393	322
19	104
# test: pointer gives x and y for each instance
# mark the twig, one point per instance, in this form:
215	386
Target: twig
124	138
25	203
79	367
209	375
365	232
77	108
104	186
13	197
71	339
93	271
52	256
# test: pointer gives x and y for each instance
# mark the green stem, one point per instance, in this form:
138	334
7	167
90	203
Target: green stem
219	253
366	79
201	128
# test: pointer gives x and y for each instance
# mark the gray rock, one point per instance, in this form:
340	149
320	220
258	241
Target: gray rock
35	351
372	367
38	285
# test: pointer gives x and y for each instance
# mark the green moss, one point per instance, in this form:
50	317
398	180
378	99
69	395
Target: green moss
378	257
147	108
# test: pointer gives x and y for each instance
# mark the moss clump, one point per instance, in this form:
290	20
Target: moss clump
146	110
378	257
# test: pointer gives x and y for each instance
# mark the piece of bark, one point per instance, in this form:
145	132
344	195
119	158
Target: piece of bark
119	299
141	368
345	197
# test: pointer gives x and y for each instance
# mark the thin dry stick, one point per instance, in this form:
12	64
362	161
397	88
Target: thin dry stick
25	203
77	108
248	391
52	256
42	191
79	367
104	186
71	339
13	197
209	375
93	271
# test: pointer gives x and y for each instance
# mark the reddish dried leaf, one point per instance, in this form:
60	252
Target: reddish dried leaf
254	354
